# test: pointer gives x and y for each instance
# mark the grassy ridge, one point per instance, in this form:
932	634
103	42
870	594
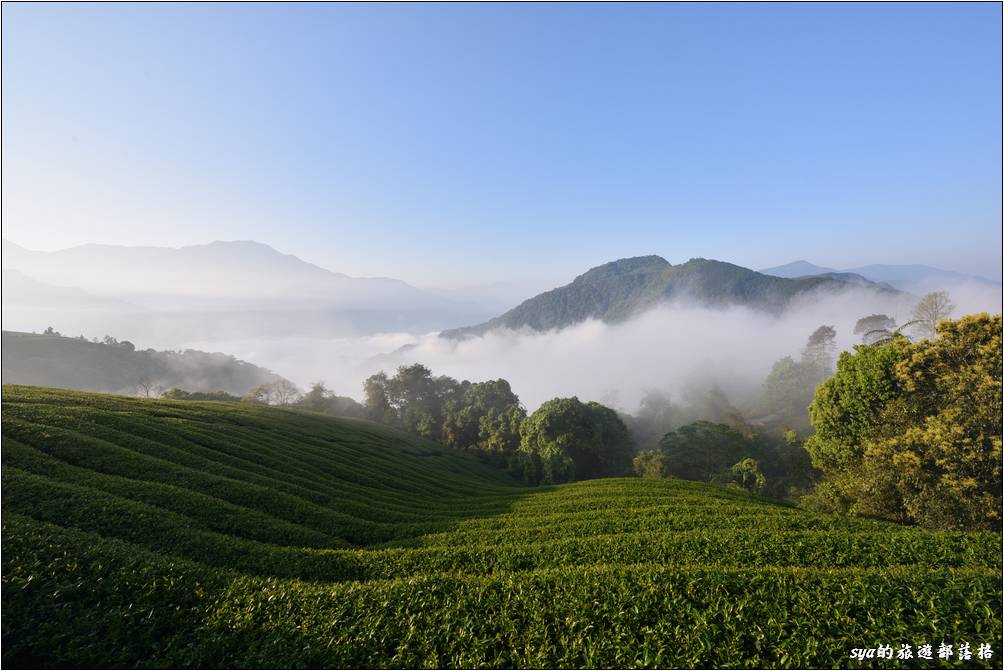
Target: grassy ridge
207	534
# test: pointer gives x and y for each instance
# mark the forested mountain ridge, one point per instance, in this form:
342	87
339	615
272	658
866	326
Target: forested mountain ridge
619	290
112	366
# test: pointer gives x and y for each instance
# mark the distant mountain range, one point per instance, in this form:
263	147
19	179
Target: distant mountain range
204	292
217	272
619	290
913	277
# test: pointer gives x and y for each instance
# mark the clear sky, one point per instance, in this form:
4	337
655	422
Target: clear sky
466	144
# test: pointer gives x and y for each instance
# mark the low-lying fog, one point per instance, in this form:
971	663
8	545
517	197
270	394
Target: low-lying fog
673	347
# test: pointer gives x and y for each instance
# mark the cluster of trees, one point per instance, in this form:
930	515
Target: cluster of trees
885	433
717	453
565	439
280	392
791	383
176	394
481	417
929	310
911	431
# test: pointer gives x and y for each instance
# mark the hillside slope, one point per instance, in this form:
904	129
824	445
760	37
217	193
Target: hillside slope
140	532
76	363
619	290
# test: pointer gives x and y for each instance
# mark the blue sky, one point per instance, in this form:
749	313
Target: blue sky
450	145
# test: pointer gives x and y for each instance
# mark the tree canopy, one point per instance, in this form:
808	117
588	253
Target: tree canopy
566	439
791	384
912	431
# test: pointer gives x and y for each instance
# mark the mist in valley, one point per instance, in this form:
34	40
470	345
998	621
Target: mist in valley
308	324
680	348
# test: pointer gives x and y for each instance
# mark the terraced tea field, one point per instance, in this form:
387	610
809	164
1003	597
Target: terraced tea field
155	533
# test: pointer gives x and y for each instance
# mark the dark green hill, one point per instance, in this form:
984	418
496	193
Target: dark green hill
621	289
76	363
186	534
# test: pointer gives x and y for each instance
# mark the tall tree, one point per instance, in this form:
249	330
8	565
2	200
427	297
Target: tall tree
820	350
375	399
930	310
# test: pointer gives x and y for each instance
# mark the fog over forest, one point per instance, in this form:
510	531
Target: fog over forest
678	347
308	324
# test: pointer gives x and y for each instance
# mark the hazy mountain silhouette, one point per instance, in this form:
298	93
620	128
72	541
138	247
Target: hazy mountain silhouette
912	277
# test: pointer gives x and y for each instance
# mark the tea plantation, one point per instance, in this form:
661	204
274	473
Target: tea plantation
155	533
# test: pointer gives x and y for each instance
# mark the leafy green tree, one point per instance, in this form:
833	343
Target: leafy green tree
575	440
650	464
428	406
702	450
176	394
746	475
484	417
849	407
498	432
418	399
376	401
318	398
912	431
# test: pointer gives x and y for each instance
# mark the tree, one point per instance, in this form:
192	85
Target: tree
820	351
912	431
483	417
498	432
746	475
278	392
318	398
650	464
790	385
931	309
375	400
848	408
788	391
872	327
284	392
412	399
260	395
176	394
145	387
703	450
653	419
49	331
571	440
